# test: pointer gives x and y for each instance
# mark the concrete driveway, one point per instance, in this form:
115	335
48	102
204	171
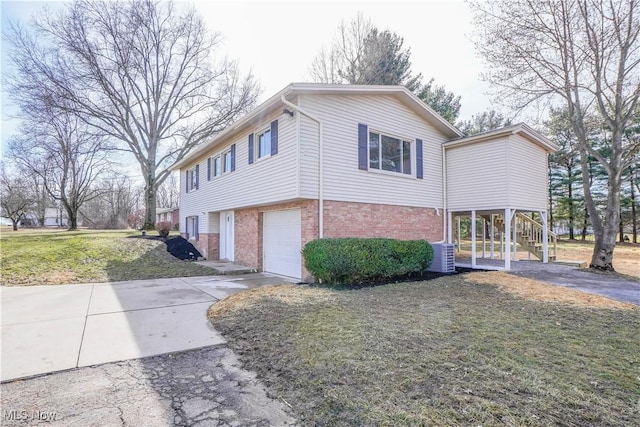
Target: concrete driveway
53	328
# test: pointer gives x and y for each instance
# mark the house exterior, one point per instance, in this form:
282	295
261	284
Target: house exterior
168	214
318	160
54	217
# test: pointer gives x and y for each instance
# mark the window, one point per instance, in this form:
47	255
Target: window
192	179
215	166
389	154
263	144
226	156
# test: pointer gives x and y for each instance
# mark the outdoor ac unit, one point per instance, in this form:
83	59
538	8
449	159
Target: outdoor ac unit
444	259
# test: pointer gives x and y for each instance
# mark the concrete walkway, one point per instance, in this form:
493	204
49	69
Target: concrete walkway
53	328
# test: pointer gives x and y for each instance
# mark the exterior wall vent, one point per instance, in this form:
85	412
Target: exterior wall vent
444	259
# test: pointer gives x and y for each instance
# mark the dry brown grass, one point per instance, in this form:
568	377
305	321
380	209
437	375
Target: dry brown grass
626	257
438	352
285	293
540	291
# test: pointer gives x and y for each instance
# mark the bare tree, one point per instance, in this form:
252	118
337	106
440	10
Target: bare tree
15	199
58	148
140	71
343	61
363	54
118	199
584	53
169	193
483	122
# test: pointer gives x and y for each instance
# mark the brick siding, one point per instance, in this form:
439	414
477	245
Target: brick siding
341	219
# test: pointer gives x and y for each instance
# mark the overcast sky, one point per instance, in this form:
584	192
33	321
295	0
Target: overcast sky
278	40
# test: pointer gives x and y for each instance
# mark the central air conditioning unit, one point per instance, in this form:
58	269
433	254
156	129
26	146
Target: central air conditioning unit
444	258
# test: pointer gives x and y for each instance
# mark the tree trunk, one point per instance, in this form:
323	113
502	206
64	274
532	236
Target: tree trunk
602	258
585	224
149	206
620	227
571	218
634	220
15	223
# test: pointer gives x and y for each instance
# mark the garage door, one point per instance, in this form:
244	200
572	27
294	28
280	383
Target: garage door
282	240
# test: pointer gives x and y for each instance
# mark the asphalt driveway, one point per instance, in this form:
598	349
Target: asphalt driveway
582	279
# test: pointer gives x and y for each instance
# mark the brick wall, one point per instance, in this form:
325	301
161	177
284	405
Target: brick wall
347	219
341	219
208	244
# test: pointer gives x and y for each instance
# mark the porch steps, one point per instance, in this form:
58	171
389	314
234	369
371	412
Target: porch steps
529	235
570	263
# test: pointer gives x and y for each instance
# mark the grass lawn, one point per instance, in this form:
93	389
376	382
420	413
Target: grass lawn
449	351
30	257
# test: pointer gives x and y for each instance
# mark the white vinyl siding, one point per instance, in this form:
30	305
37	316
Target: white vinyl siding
528	169
343	181
505	172
254	184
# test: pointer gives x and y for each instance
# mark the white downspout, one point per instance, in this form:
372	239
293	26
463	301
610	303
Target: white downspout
444	196
320	163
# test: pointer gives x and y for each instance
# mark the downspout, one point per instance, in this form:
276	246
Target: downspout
320	163
444	196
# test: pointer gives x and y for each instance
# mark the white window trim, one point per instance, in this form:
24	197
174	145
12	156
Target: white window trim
256	145
412	142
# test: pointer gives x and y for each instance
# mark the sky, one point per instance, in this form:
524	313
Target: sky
277	41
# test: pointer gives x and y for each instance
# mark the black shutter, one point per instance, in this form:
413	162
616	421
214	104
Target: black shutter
186	187
209	169
186	227
419	158
197	176
233	157
274	137
363	146
250	148
196	228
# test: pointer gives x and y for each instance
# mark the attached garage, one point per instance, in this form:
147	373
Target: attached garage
282	242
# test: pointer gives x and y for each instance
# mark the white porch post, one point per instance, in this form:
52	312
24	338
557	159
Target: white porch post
492	236
473	239
449	227
507	238
545	237
514	239
484	236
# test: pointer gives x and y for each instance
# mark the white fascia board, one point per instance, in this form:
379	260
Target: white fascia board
520	128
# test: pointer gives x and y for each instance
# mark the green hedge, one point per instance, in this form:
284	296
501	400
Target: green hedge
355	260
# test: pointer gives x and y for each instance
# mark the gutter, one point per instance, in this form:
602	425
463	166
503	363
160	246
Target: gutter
320	163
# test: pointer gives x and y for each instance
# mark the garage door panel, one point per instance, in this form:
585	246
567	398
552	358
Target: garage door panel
282	242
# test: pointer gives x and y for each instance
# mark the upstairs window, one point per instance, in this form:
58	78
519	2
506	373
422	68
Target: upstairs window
263	144
390	154
226	161
192	178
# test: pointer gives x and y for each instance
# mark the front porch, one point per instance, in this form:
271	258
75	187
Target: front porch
485	240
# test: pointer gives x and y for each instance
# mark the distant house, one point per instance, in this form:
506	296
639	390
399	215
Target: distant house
168	214
318	160
54	217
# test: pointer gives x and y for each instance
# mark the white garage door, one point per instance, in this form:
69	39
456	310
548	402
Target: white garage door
282	242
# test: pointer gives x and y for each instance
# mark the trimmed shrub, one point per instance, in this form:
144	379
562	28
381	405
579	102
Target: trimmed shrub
355	260
163	228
